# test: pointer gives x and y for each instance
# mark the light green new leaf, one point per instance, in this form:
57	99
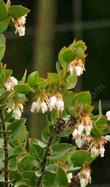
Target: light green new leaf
22	88
33	78
3	11
65	56
77	44
18	11
71	81
52	78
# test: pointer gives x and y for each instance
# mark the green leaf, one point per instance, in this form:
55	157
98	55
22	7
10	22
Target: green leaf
61	178
18	11
22	88
81	157
41	144
83	98
68	55
80	53
18	130
45	135
52	168
2	78
100	127
3	11
33	78
41	83
71	81
62	149
58	179
23	80
4	25
77	44
65	56
21	184
2	46
52	78
58	67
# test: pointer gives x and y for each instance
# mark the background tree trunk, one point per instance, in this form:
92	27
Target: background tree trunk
43	53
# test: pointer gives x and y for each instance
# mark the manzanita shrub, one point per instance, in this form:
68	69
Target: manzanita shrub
50	161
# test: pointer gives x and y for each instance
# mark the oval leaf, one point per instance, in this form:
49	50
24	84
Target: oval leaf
18	11
22	88
33	78
4	25
81	157
3	11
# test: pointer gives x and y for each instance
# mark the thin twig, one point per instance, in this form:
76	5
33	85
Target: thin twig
58	128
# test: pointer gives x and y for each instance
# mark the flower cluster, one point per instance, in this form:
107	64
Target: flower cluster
85	176
76	66
19	24
10	83
56	102
17	109
39	105
44	104
98	148
82	131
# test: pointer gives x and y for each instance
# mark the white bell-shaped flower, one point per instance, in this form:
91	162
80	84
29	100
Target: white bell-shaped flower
108	115
10	83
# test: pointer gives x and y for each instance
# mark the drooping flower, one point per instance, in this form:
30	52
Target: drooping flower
76	66
20	25
107	138
102	150
39	105
10	83
98	147
84	176
69	177
108	115
78	138
56	102
94	152
86	120
17	109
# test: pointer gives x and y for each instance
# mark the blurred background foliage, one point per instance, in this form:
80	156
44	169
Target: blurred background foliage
53	24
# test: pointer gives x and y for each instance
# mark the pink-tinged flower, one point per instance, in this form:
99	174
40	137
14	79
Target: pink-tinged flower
84	176
10	83
20	25
56	102
108	115
94	152
76	66
102	151
79	141
78	138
